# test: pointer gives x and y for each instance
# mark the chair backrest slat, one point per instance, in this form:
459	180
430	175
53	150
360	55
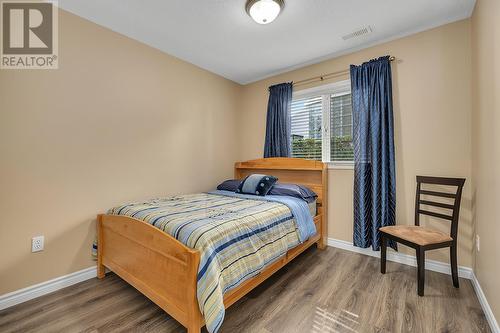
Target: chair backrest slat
436	204
438	194
455	207
441	180
438	215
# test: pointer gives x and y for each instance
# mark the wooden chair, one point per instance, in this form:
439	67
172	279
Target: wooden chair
423	238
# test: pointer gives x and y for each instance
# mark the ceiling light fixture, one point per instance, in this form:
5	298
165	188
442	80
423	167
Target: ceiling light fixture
264	11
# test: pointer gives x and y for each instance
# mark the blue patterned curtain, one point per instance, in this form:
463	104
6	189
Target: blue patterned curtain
278	128
374	162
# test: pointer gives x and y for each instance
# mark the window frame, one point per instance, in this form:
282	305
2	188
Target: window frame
338	88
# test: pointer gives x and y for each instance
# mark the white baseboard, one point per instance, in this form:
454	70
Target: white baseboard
431	265
485	305
37	290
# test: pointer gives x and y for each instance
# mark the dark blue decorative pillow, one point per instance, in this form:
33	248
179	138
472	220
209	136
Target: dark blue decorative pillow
256	184
229	185
293	190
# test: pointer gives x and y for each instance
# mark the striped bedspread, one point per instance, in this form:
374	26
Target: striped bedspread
237	236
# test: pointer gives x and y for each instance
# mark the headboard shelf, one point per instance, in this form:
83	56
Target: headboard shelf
281	163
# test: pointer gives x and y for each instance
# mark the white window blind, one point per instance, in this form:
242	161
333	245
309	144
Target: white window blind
306	127
322	123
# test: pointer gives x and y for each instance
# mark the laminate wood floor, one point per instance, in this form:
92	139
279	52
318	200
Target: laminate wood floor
320	291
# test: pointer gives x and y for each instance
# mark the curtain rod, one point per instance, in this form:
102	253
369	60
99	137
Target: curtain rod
327	76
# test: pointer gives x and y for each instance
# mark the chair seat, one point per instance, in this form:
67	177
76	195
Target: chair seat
417	234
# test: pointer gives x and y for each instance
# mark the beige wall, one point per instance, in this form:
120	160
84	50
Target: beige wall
118	121
432	110
486	145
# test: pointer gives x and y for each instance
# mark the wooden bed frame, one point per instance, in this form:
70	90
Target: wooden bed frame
165	270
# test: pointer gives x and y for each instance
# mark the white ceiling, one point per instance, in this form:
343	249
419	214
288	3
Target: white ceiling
217	35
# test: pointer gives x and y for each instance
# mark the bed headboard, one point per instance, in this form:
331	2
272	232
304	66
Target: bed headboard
313	174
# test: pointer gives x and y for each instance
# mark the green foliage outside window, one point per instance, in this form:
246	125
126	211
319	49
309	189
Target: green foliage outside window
341	148
306	148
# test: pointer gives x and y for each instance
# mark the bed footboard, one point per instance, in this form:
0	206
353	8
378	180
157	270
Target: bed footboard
153	262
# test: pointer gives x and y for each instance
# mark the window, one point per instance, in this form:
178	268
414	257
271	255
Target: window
322	123
306	127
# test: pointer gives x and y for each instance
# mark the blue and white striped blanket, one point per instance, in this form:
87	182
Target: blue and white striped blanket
237	235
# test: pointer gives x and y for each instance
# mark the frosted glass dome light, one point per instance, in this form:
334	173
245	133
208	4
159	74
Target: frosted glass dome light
264	11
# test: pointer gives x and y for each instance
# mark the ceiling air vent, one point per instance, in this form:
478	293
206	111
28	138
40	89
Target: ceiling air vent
358	33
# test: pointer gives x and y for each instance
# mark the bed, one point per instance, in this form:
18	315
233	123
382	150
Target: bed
167	271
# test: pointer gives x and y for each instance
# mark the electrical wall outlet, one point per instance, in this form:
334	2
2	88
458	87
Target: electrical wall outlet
37	243
478	244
